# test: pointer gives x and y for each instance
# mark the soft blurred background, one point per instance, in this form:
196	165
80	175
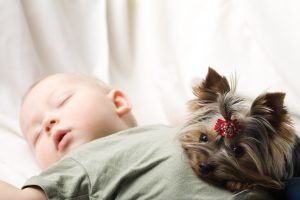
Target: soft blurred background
153	50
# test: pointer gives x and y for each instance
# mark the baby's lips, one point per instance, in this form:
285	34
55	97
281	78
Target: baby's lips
58	136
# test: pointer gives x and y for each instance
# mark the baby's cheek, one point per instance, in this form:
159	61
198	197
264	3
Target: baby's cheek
95	122
45	155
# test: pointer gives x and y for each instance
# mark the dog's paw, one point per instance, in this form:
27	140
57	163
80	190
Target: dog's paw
253	195
238	186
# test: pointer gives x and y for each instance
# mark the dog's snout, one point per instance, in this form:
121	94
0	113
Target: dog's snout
205	168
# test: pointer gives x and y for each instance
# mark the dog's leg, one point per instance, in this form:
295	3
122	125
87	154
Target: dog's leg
238	186
296	158
253	195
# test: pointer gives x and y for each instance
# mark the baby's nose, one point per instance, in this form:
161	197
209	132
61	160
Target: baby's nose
50	123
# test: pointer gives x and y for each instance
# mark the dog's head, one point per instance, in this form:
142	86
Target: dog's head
235	144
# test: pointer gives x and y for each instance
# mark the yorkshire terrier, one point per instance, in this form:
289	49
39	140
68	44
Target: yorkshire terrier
238	145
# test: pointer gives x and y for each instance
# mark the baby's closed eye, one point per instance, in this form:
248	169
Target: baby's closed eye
62	98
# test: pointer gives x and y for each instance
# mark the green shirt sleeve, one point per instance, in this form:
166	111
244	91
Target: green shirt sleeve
66	180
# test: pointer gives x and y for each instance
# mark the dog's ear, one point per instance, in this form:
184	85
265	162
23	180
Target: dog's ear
211	86
208	90
270	107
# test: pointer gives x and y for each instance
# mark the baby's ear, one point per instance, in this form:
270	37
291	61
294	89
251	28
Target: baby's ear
208	90
121	102
270	106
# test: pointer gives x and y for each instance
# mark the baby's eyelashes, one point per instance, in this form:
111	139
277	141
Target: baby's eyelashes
62	99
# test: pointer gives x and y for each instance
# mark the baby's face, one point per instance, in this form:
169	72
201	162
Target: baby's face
64	111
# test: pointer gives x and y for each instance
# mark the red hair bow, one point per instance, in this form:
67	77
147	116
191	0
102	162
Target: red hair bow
227	128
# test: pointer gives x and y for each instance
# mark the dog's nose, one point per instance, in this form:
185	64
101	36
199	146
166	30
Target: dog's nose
205	168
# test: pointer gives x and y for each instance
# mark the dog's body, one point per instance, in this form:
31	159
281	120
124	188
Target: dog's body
238	146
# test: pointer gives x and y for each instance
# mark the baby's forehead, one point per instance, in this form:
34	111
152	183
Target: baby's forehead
74	78
46	84
58	80
62	78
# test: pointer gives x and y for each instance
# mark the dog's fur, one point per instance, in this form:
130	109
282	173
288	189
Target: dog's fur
264	152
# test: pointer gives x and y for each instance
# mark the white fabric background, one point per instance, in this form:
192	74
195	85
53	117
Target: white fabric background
151	49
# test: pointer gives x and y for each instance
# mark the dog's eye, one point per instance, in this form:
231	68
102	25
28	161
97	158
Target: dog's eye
203	138
237	150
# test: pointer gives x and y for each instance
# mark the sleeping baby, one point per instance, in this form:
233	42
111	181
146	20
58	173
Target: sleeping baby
86	139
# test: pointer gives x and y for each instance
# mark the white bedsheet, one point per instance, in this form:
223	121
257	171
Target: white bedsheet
151	49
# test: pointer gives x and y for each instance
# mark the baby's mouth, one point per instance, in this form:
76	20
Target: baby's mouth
60	138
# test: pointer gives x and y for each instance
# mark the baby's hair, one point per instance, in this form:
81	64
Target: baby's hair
103	85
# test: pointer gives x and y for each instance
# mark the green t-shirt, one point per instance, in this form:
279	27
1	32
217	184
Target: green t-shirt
135	164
